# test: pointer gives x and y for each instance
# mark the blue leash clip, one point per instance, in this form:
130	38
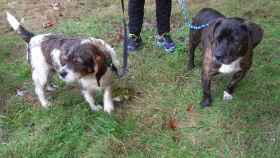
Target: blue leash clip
184	11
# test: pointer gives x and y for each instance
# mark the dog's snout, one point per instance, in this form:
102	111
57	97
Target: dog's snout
63	74
218	55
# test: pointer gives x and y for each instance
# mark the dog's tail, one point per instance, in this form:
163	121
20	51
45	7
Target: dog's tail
15	24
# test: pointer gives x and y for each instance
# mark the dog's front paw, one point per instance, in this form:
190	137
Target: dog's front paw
46	104
96	108
227	96
206	102
108	108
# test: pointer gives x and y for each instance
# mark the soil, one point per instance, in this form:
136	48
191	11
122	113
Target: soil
38	15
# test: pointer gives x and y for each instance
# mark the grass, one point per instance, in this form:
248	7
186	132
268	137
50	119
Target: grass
158	91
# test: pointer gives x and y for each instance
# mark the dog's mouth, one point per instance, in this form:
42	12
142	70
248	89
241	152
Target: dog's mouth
216	61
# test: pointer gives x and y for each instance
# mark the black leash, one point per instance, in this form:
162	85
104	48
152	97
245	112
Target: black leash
125	50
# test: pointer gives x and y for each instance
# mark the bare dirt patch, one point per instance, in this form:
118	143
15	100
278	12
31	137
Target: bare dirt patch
40	14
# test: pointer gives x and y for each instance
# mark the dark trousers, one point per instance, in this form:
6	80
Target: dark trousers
136	15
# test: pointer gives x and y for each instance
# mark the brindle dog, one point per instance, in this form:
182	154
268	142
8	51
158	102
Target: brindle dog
227	44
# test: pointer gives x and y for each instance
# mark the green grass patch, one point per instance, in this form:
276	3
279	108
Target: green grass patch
157	90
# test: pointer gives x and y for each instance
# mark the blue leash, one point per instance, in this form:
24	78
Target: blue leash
184	11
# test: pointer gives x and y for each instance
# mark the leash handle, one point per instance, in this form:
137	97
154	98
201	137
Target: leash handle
184	11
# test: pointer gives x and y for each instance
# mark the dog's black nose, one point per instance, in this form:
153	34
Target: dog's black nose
63	74
218	56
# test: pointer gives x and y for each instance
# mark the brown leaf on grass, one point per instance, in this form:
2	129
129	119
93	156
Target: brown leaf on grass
190	108
48	24
173	124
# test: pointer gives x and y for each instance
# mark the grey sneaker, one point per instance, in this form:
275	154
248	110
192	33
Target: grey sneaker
164	41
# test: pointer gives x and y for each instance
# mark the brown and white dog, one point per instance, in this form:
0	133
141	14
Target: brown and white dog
228	45
86	61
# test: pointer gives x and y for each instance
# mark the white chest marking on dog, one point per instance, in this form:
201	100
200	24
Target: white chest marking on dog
231	68
227	96
89	84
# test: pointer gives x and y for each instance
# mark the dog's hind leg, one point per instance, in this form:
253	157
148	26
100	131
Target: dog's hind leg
194	40
40	79
107	99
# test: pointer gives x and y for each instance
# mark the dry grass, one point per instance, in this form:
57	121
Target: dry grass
160	115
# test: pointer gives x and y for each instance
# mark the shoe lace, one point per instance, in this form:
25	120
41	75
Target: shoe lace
133	37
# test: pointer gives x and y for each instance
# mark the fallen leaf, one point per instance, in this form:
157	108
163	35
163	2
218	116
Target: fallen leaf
173	124
190	108
48	24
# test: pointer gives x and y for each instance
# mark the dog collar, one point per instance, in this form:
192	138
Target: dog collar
109	63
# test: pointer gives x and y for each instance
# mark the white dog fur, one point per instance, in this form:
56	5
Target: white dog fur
42	70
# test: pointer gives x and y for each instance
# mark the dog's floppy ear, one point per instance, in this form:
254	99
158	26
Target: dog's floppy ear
100	66
213	26
255	33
